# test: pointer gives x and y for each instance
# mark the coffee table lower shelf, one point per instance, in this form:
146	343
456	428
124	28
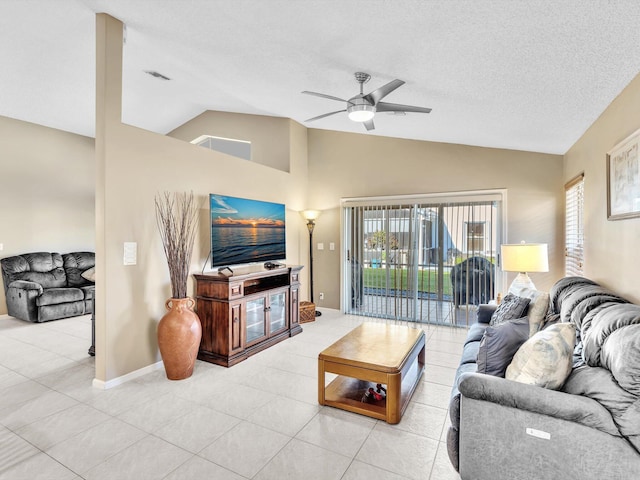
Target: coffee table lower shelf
390	355
347	392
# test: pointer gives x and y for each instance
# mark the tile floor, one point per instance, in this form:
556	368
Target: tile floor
257	420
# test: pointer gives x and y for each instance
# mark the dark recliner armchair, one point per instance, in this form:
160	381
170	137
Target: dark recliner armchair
472	281
47	286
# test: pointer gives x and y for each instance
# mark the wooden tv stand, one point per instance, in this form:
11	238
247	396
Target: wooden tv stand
246	312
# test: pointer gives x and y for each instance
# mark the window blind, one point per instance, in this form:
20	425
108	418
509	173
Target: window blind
400	258
574	227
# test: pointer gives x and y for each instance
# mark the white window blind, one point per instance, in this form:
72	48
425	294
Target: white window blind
574	227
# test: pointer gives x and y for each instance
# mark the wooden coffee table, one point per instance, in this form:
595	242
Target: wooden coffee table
391	355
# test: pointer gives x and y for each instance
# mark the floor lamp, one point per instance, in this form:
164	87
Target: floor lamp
311	216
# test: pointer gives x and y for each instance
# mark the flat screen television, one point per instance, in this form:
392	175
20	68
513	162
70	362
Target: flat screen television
246	231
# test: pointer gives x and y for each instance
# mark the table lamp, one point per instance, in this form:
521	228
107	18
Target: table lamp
524	258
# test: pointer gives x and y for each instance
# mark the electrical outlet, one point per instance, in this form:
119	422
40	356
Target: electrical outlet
321	296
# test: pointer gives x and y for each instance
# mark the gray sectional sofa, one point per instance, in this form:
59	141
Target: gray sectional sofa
587	429
45	286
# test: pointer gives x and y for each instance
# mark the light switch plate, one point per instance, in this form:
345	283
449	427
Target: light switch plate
320	246
130	253
1	246
332	246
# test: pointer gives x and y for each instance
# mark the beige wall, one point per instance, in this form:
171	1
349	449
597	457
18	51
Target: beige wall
611	247
133	165
267	134
47	191
352	165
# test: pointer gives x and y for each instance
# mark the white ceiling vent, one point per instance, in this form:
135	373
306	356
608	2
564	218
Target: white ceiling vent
230	146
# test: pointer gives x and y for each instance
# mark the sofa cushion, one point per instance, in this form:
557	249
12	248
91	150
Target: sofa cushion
52	279
81	260
577	305
55	296
470	353
546	358
564	287
88	291
41	267
74	277
75	264
499	344
613	342
621	355
512	307
610	340
475	332
598	383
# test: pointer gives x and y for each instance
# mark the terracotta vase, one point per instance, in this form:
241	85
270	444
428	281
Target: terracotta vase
179	333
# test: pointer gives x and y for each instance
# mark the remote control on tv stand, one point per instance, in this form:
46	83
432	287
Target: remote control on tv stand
271	265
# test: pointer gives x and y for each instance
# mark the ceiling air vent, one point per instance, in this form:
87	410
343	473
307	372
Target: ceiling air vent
230	146
155	74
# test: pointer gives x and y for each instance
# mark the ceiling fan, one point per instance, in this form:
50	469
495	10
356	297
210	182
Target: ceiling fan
362	108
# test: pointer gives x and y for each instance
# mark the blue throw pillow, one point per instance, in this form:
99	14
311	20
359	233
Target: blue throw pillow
499	344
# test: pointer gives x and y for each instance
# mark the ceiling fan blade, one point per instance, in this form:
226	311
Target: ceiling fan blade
369	125
324	115
396	107
330	97
377	95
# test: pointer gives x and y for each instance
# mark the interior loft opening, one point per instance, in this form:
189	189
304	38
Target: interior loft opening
230	146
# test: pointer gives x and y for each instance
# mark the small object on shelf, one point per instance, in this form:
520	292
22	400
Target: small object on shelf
225	271
307	312
371	395
366	398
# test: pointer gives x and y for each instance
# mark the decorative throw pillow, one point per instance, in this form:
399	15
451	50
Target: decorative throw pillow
89	274
546	358
499	344
537	310
512	307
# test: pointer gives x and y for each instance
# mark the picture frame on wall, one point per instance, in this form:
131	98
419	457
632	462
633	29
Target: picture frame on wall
623	179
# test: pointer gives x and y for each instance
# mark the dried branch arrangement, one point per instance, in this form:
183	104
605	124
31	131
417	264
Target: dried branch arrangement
176	216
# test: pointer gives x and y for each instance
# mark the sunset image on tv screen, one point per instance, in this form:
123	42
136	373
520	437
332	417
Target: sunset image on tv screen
246	231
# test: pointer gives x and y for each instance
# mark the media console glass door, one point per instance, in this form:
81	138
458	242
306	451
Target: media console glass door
256	315
277	312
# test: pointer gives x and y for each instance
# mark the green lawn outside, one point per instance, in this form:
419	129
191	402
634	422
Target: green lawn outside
427	279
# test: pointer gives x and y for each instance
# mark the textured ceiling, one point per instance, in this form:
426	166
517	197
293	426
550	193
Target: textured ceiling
526	75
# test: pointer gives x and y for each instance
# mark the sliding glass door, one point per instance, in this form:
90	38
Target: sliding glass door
427	260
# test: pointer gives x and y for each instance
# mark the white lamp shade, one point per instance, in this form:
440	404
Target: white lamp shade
525	257
310	214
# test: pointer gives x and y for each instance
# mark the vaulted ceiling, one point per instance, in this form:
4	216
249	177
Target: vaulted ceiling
526	75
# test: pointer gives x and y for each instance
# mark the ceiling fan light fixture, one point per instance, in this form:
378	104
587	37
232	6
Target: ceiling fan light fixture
361	113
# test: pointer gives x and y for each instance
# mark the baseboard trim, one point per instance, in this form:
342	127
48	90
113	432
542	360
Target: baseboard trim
114	382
